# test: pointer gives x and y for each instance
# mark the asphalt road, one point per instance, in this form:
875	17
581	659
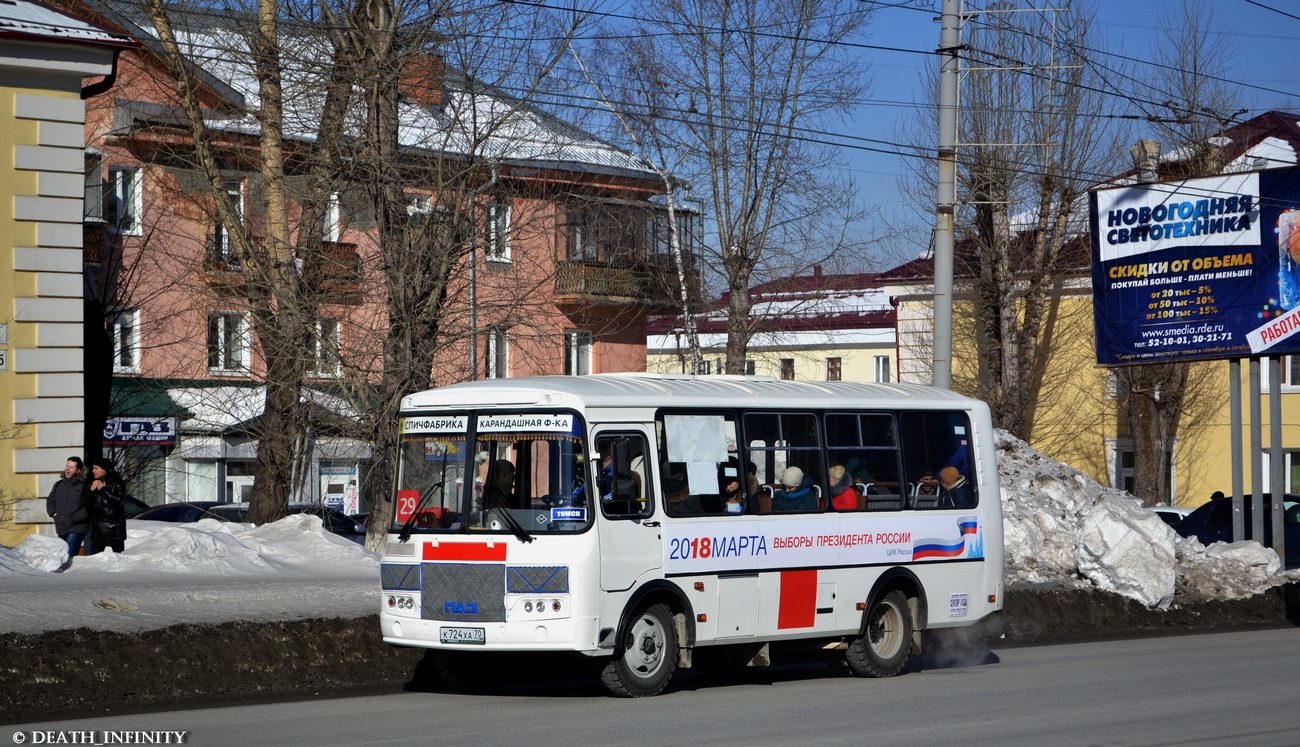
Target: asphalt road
1224	688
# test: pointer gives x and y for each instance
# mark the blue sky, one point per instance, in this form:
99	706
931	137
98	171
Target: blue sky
906	32
1264	41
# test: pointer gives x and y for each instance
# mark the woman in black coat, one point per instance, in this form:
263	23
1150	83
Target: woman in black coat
106	501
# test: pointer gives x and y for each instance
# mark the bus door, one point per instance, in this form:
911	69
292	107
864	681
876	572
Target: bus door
631	543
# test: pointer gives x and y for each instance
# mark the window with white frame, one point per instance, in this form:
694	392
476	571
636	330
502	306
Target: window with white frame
125	325
882	369
1123	461
787	369
122	200
223	249
323	347
496	358
333	219
577	352
497	238
1290	373
227	342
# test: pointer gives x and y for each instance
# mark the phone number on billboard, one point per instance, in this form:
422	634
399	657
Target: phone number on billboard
1189	340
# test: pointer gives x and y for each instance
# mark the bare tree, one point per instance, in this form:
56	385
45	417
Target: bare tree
734	90
280	268
1032	142
1195	104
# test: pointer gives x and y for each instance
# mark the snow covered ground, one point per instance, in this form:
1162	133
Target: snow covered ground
1061	527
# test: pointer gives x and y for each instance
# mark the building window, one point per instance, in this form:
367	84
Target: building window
882	369
497	358
1123	458
750	367
706	367
227	343
93	202
787	369
497	239
577	352
223	249
833	369
125	324
122	200
323	348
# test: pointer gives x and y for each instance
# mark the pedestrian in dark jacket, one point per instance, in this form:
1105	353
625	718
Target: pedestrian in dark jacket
107	503
67	506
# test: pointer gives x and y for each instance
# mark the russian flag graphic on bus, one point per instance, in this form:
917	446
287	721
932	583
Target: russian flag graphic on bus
968	542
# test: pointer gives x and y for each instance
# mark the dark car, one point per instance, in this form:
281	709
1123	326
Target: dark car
1212	522
181	512
134	506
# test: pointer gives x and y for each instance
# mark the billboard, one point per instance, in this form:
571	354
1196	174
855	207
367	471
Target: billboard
1197	270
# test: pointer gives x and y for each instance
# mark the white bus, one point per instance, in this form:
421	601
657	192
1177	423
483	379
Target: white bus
650	520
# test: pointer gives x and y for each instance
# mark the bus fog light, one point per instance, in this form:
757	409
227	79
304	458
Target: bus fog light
528	606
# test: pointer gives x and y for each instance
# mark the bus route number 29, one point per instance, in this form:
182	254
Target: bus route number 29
683	548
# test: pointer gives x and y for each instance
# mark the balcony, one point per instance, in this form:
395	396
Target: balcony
339	268
646	285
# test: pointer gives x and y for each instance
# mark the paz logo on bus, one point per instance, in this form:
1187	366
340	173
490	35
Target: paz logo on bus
460	608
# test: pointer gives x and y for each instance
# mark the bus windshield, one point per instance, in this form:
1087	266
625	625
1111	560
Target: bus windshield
493	472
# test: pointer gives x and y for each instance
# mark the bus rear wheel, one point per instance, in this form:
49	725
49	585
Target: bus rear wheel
649	655
886	640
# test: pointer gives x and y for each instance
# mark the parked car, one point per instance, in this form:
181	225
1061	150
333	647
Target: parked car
1172	514
181	512
333	520
188	511
134	506
1212	522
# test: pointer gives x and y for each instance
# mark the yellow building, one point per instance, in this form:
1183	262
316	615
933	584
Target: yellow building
1078	418
44	57
809	328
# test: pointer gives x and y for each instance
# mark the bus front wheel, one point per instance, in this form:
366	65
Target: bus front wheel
649	655
886	640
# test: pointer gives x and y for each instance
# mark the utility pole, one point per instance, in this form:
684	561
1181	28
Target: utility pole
946	199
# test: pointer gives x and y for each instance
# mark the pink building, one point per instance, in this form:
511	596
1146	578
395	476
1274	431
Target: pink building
566	256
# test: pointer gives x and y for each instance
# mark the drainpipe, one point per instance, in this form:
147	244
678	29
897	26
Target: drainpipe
103	84
473	262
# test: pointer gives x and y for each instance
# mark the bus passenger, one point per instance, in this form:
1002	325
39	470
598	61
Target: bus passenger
796	493
955	488
844	497
678	497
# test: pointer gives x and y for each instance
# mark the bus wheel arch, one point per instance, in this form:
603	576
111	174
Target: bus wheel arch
654	633
894	615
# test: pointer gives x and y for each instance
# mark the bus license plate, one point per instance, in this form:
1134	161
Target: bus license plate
463	635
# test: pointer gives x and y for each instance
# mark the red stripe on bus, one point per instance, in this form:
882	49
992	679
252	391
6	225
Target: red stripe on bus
465	551
798	603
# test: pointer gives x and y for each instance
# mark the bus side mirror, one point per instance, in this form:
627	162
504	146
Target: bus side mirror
624	498
622	459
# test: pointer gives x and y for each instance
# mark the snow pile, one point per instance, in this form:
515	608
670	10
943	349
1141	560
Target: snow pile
207	572
207	546
1061	526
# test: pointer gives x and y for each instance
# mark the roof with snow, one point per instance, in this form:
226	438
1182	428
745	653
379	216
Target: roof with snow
816	302
442	110
27	21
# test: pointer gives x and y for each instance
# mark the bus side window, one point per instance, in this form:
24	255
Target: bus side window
634	450
937	460
865	447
